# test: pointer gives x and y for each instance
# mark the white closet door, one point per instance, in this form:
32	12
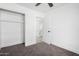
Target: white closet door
11	28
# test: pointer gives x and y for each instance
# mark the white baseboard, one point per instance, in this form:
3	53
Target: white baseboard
65	48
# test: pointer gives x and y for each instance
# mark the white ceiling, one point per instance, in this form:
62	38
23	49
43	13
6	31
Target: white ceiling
44	7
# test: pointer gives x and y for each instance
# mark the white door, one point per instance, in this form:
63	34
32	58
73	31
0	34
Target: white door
39	29
12	26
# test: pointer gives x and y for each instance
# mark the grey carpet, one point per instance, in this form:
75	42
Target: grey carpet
40	49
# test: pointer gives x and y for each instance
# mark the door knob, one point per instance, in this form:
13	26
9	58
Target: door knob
48	31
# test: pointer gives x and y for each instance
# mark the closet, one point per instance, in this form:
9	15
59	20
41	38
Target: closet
11	28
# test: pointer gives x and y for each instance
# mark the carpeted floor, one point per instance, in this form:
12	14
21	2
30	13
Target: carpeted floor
40	49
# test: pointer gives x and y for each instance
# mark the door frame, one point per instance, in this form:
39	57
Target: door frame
39	38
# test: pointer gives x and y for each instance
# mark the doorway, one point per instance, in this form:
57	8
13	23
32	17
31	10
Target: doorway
39	29
12	28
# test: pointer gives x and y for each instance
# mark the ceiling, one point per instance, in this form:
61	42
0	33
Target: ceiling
44	7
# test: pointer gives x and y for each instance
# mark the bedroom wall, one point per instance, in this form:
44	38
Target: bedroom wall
30	19
63	24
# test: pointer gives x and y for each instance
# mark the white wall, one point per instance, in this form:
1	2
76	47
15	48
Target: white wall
63	23
30	19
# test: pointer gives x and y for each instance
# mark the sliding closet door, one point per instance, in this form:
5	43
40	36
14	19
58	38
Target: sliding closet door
12	26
